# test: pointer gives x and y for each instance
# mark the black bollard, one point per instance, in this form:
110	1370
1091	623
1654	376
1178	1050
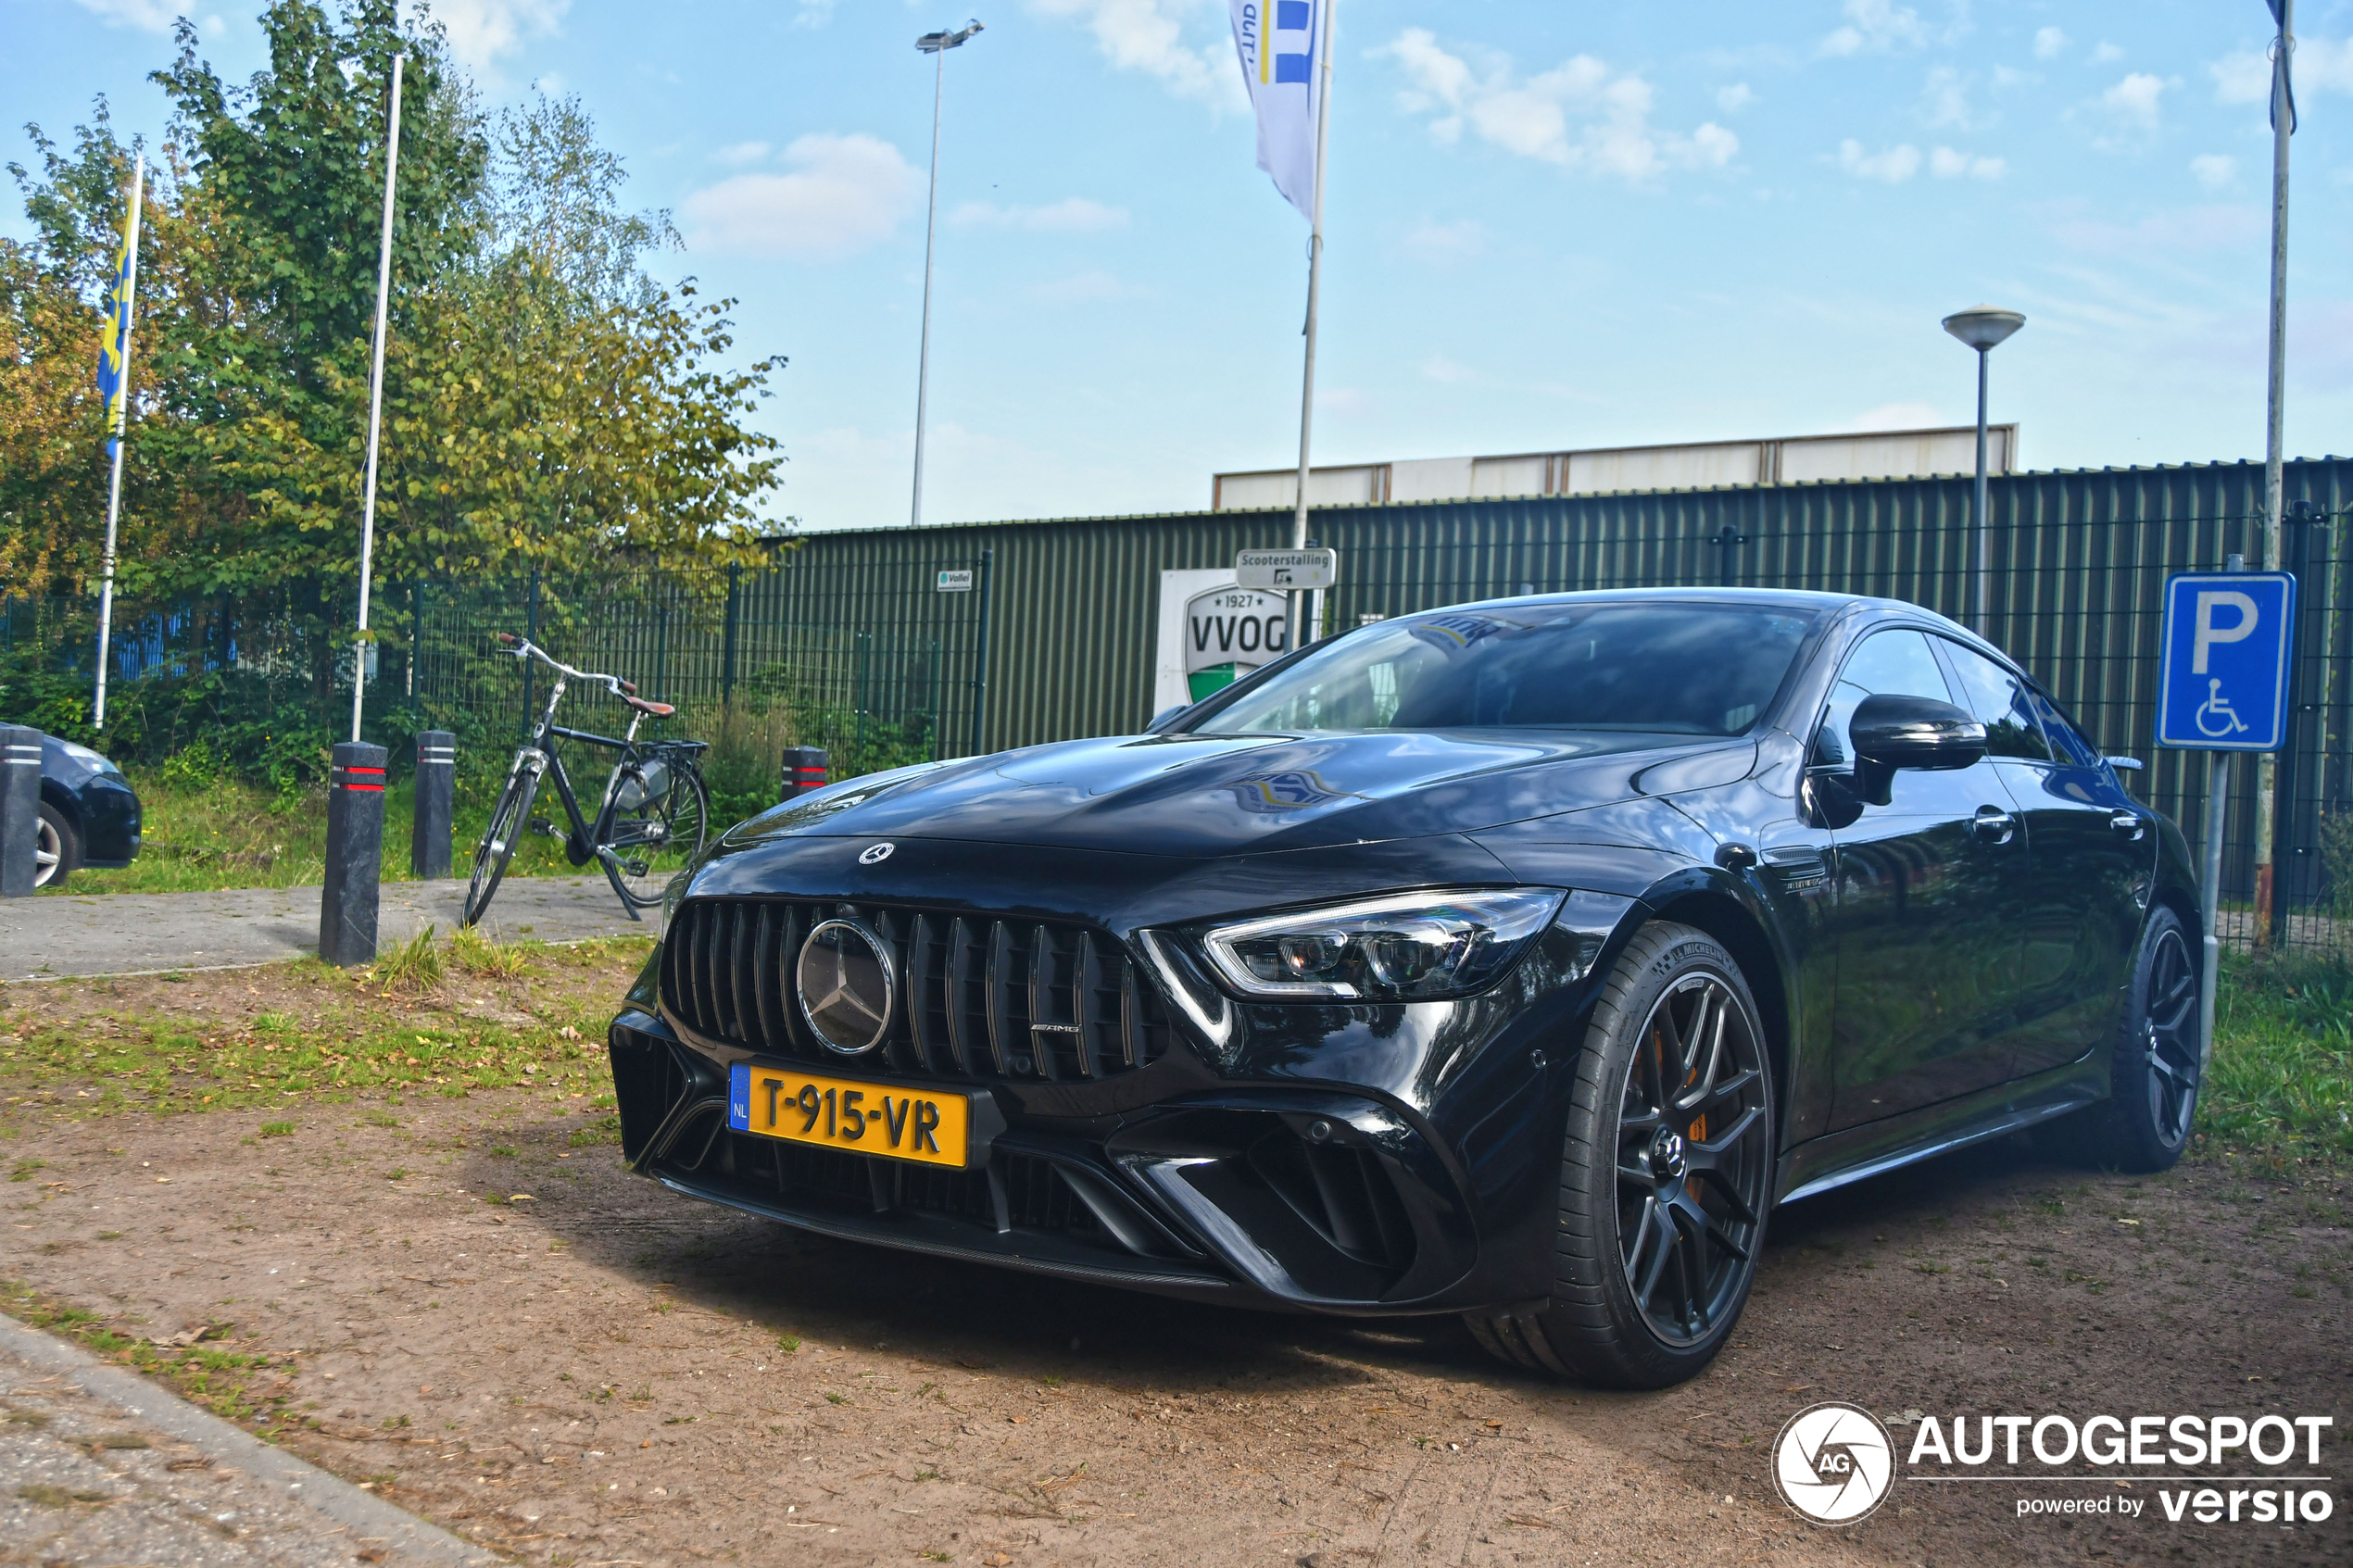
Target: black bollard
355	855
436	787
20	809
805	770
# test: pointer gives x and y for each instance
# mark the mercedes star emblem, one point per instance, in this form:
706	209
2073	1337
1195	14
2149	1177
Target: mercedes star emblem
876	854
846	986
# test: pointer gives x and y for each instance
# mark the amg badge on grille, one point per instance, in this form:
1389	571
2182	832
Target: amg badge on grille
876	854
846	986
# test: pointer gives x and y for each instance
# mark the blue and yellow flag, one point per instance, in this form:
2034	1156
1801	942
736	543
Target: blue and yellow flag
114	349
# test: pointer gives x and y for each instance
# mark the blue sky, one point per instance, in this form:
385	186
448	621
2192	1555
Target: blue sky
1551	223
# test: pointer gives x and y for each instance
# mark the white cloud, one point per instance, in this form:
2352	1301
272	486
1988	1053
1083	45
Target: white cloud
2107	53
2214	171
845	194
1948	163
481	31
1072	215
1876	25
2322	65
1441	244
2049	41
1446	372
741	152
2133	105
1894	165
1894	416
813	13
1149	36
1578	115
1944	102
1736	97
155	16
2243	77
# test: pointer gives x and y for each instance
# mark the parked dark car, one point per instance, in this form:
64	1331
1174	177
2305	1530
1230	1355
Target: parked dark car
89	813
1513	961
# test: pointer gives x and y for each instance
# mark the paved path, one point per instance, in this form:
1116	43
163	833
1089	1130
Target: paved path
99	1465
135	933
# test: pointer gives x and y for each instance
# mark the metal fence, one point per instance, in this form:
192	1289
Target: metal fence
2076	562
848	641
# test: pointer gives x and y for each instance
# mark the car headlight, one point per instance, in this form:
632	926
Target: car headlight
1407	947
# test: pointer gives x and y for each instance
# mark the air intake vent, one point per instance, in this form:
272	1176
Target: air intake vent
978	998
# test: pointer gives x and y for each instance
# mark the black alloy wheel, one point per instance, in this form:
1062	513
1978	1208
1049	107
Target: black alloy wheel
1692	1160
2154	1080
1666	1175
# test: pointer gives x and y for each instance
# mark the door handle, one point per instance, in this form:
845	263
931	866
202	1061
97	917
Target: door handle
2129	823
1993	824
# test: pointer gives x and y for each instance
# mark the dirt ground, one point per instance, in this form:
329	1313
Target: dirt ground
494	1325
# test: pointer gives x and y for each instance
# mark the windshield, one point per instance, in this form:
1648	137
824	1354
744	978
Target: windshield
1676	668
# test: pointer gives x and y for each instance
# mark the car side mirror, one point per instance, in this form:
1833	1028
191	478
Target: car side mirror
1161	718
1890	731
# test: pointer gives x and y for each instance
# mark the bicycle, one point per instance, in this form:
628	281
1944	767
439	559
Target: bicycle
650	824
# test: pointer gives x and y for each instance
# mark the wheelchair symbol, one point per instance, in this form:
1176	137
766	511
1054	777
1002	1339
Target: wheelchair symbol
2226	718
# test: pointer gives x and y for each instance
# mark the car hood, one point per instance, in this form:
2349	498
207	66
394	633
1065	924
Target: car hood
1214	795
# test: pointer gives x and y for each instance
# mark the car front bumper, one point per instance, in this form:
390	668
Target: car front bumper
1355	1159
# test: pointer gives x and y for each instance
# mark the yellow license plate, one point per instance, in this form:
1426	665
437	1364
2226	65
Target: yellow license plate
891	1120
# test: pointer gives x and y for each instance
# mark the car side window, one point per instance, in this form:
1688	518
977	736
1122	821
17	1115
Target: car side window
2066	742
1999	701
1894	663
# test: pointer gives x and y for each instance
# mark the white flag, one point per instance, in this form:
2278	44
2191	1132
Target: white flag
1280	42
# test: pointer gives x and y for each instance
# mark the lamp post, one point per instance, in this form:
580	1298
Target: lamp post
1981	327
937	45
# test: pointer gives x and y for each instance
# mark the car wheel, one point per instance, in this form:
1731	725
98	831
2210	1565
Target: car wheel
57	851
1665	1174
2158	1065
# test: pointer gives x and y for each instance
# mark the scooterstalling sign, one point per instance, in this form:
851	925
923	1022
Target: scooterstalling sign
1285	571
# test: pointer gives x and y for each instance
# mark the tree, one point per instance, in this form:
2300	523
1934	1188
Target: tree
549	404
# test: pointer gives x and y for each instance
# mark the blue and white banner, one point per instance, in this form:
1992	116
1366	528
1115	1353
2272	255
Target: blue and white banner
1280	42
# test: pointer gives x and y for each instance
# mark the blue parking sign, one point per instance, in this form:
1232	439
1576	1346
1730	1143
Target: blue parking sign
2229	636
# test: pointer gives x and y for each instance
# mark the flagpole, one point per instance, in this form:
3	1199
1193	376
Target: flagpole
2274	442
1300	630
121	423
375	405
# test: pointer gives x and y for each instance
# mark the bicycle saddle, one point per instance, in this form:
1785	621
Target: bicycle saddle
659	710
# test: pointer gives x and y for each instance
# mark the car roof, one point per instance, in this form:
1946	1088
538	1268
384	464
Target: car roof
1758	598
1832	607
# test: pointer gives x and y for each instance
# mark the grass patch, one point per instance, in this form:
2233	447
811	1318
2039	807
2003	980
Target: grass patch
2281	1084
200	834
225	1382
413	966
317	1032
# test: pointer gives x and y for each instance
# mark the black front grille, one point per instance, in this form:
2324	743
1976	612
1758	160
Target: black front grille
980	997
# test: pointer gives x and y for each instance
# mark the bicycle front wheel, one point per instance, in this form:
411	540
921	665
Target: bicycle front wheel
508	821
647	850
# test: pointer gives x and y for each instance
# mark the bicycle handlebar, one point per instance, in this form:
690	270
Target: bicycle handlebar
525	648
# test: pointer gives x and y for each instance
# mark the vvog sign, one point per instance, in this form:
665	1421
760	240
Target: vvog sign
1213	633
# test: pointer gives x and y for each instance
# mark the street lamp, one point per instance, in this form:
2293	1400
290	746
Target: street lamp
1982	326
937	45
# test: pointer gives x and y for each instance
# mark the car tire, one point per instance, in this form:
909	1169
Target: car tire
2156	1070
1666	1172
57	853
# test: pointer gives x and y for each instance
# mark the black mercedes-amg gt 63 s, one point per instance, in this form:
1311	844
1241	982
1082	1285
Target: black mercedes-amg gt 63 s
1513	961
